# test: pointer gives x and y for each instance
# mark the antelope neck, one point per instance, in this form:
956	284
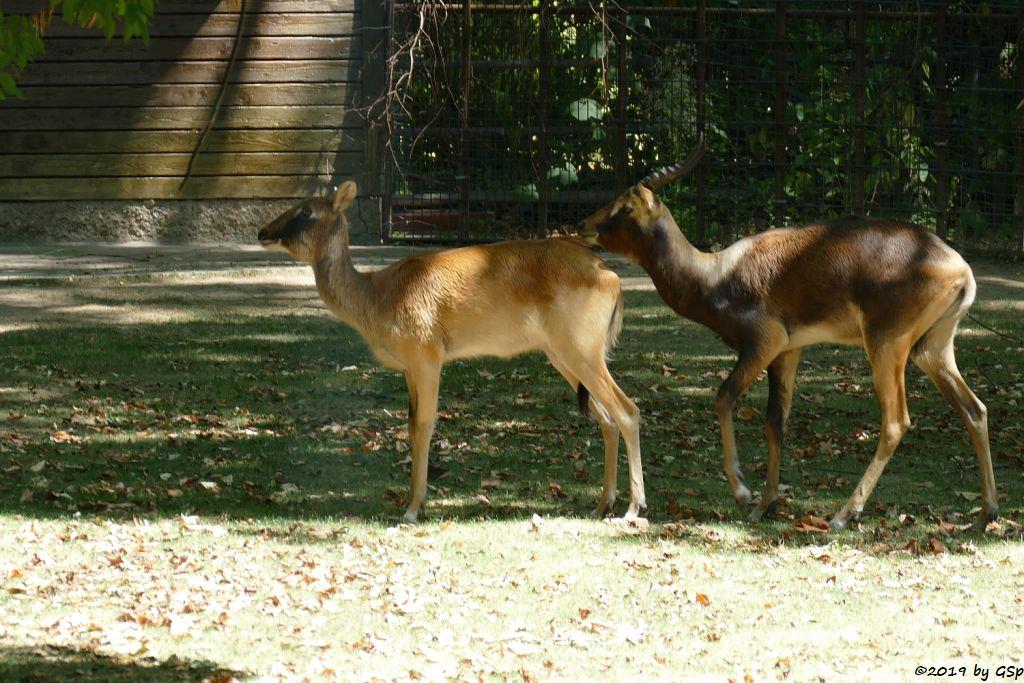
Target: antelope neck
682	274
343	288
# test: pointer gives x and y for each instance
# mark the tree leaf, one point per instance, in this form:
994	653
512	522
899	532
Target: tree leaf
586	109
564	175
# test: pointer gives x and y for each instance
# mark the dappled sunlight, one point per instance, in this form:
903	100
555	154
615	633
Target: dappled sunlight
1015	283
718	359
6	328
62	261
637	284
999	305
235	390
145	302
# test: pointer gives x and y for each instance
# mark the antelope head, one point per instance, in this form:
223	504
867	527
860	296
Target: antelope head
630	218
304	229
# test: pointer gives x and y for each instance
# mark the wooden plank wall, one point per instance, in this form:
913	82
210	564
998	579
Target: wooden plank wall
116	120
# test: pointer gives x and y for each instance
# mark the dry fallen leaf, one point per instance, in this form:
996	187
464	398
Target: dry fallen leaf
747	413
812	524
59	436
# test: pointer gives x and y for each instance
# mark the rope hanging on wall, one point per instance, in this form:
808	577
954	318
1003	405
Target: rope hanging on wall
220	97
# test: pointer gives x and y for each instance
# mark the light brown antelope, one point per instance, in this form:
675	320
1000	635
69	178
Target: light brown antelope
894	289
505	299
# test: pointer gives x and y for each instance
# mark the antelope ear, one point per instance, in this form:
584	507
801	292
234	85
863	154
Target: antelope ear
645	193
345	195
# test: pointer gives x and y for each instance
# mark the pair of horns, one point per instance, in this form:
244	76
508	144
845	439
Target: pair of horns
666	175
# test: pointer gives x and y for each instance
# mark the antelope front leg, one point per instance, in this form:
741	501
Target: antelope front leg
748	367
781	376
423	385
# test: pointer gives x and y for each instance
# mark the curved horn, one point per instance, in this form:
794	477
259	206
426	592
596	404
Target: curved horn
666	175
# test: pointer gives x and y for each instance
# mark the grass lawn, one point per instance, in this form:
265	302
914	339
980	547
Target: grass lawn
202	471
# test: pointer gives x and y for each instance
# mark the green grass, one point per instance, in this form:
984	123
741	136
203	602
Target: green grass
197	483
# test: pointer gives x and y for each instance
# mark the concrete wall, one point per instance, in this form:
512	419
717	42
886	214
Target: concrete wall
210	220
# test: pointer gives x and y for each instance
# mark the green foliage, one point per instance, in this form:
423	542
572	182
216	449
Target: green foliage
578	101
131	17
19	44
21	36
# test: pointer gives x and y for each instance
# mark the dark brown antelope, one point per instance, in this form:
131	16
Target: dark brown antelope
506	299
894	289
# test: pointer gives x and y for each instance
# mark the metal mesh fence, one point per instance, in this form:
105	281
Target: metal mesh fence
517	118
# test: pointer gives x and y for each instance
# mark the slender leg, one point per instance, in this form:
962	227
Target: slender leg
630	416
424	381
610	433
939	363
594	374
747	369
781	378
888	365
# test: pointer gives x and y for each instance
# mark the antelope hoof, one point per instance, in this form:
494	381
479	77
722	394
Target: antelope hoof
842	518
634	509
763	510
410	516
603	508
742	496
982	522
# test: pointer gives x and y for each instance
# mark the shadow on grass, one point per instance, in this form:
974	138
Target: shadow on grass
252	409
53	663
41	264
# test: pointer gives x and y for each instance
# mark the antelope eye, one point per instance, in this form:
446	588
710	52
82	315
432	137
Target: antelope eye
306	212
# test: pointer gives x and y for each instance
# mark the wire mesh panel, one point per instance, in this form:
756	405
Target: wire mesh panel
513	119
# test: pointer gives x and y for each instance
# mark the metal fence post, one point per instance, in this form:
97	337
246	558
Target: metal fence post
378	18
1019	198
467	74
941	171
544	86
621	99
780	113
859	83
702	11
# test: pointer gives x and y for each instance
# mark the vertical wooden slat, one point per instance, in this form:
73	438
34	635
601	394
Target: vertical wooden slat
702	57
859	84
780	113
544	87
377	21
941	170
